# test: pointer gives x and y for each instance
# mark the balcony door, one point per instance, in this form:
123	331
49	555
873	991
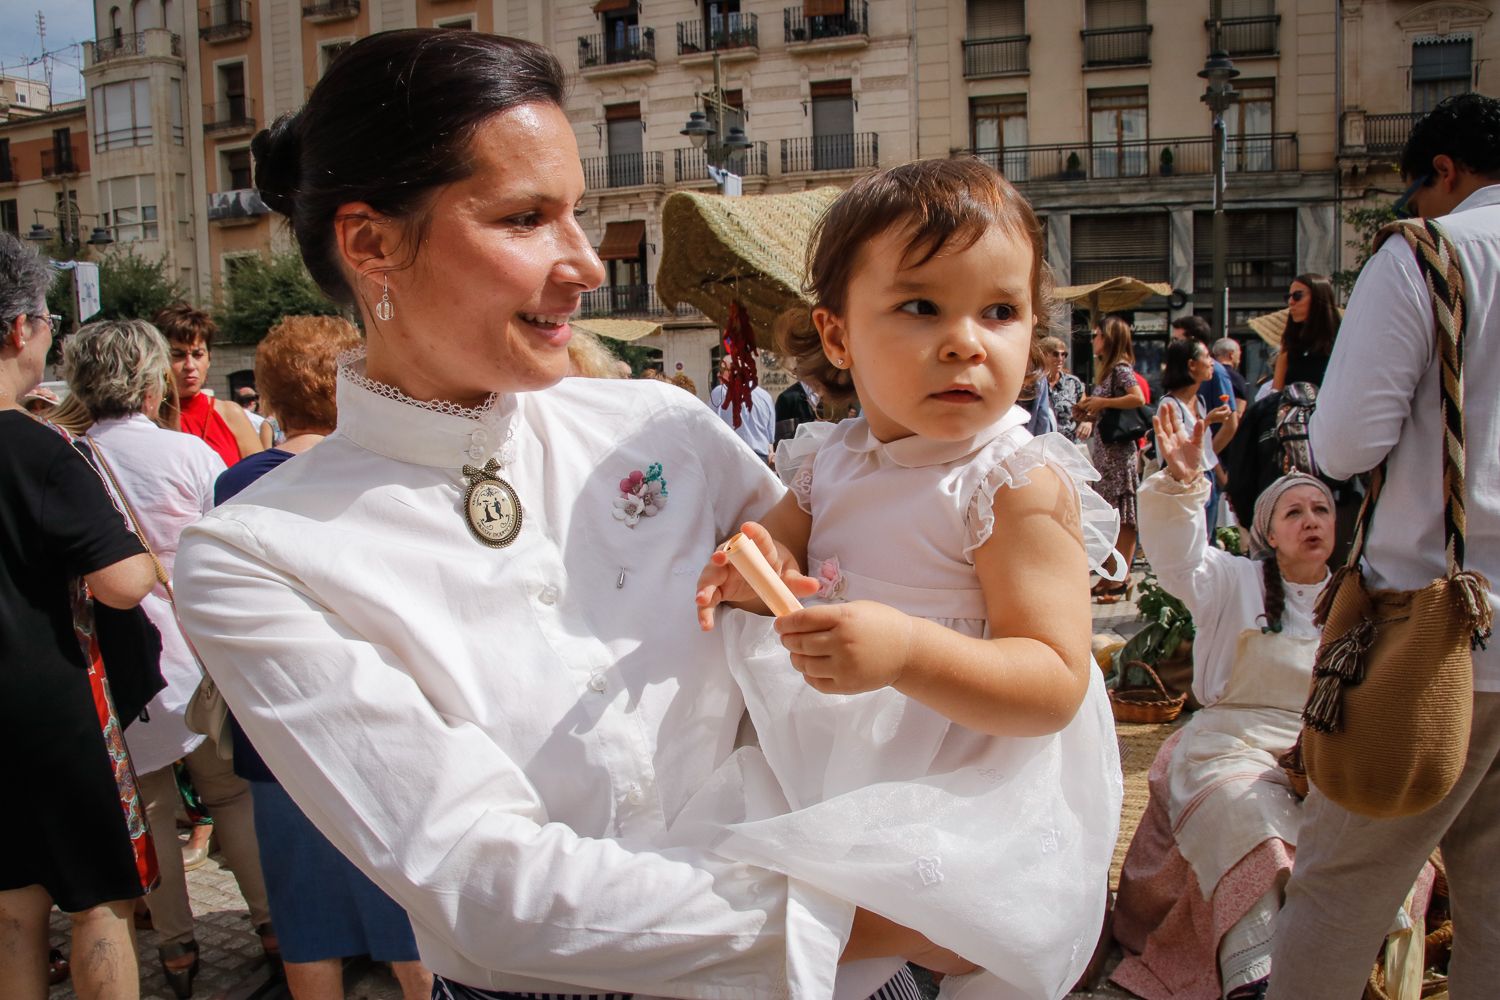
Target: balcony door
1439	69
1118	133
231	92
1250	122
626	144
999	126
833	125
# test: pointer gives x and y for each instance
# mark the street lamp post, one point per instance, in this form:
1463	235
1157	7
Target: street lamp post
700	133
99	237
1219	71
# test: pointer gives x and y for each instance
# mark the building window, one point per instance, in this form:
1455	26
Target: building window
328	52
129	206
1107	246
1260	252
998	126
10	220
1440	67
1118	133
465	23
627	164
7	165
122	115
231	88
1115	33
234	169
1250	122
230	264
176	112
833	125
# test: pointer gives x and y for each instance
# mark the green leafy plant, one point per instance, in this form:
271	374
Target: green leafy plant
1366	223
1230	538
261	290
1168	625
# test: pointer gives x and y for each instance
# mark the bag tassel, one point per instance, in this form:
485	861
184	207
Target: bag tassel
1340	663
1472	589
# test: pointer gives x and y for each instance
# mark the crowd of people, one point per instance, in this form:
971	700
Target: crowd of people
450	720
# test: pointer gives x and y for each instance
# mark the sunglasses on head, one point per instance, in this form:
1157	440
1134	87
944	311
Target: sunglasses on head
1402	206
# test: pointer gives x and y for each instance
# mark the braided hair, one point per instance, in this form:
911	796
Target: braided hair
1275	602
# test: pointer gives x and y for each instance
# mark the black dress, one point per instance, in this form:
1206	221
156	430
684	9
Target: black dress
75	826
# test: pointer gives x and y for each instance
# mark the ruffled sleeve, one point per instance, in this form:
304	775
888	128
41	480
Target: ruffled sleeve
1099	520
794	459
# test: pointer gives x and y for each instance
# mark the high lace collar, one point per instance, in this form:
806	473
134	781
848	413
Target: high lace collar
383	419
917	452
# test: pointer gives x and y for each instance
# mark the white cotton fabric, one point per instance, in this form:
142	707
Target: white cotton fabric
500	738
997	848
168	478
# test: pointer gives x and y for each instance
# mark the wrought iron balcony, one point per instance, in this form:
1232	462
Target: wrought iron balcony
626	45
233	114
64	161
1117	46
331	10
152	42
240	205
691	164
224	22
799	28
628	300
1189	156
622	170
721	33
857	151
996	56
1245	36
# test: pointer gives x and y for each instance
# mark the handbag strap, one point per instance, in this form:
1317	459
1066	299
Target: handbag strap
130	515
1438	261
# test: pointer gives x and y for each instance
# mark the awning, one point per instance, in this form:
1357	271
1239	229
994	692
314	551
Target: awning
622	240
823	8
610	6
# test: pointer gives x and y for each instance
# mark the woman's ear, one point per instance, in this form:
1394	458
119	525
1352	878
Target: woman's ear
833	334
366	240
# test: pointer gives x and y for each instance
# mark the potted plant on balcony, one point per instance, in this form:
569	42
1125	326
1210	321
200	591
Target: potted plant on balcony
1074	169
1166	161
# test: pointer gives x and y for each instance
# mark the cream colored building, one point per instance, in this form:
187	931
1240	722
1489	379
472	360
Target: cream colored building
44	165
1091	106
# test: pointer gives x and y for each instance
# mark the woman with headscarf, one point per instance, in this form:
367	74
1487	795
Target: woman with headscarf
1203	880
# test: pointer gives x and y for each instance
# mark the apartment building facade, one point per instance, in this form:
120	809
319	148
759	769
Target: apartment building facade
44	165
1092	107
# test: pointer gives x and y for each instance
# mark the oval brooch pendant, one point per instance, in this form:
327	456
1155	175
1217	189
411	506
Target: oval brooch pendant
492	508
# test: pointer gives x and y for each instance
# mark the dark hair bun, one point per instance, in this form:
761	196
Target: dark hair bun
278	163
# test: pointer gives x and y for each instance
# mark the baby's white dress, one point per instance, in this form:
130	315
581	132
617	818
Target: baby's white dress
997	848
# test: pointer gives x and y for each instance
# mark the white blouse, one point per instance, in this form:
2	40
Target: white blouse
498	737
1224	593
169	479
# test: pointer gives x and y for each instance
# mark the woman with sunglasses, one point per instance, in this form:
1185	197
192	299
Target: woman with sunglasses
1066	389
1310	331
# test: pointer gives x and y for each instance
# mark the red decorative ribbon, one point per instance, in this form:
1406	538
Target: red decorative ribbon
739	348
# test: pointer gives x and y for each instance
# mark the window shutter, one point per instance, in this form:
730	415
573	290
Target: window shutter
1445	59
1112	246
996	18
1115	13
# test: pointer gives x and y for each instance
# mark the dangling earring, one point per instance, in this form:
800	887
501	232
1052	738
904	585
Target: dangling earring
383	309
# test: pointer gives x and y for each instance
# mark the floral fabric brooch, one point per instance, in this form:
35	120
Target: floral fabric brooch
830	579
642	494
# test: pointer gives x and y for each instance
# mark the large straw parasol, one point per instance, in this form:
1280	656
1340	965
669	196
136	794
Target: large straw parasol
717	250
1272	326
618	329
1112	295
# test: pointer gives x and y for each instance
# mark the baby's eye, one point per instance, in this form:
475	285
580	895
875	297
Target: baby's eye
1001	311
919	307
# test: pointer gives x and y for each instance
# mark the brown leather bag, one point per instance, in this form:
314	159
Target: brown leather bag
1386	727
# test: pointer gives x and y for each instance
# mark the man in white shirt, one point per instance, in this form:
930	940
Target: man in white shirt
757	421
1380	402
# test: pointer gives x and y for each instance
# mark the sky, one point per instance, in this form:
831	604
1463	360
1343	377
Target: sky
68	22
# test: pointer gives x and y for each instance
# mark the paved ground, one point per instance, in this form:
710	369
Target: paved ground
234	969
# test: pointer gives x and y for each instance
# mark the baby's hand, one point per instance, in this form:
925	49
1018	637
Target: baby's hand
848	648
721	583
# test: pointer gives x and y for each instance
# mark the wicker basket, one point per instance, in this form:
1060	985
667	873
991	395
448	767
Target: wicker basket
1145	704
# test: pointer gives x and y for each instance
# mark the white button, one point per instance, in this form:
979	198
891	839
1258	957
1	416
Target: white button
475	453
635	796
548	596
598	683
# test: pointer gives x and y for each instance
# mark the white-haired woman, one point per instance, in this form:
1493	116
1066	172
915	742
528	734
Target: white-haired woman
74	835
119	371
1203	880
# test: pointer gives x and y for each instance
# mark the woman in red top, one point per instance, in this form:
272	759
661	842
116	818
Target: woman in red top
222	424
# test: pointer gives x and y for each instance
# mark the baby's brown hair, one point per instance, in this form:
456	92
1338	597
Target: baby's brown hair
942	204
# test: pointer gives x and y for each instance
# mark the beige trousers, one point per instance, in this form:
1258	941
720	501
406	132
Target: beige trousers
227	799
1352	874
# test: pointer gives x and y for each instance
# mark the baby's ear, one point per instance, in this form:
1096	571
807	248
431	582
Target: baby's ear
832	332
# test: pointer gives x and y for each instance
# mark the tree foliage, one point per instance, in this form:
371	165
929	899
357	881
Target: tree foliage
1366	222
262	290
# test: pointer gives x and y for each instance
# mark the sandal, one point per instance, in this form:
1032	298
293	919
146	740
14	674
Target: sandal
1111	593
271	947
1251	991
180	979
58	968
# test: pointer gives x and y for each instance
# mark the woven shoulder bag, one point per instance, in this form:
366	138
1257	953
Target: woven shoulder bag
1386	726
